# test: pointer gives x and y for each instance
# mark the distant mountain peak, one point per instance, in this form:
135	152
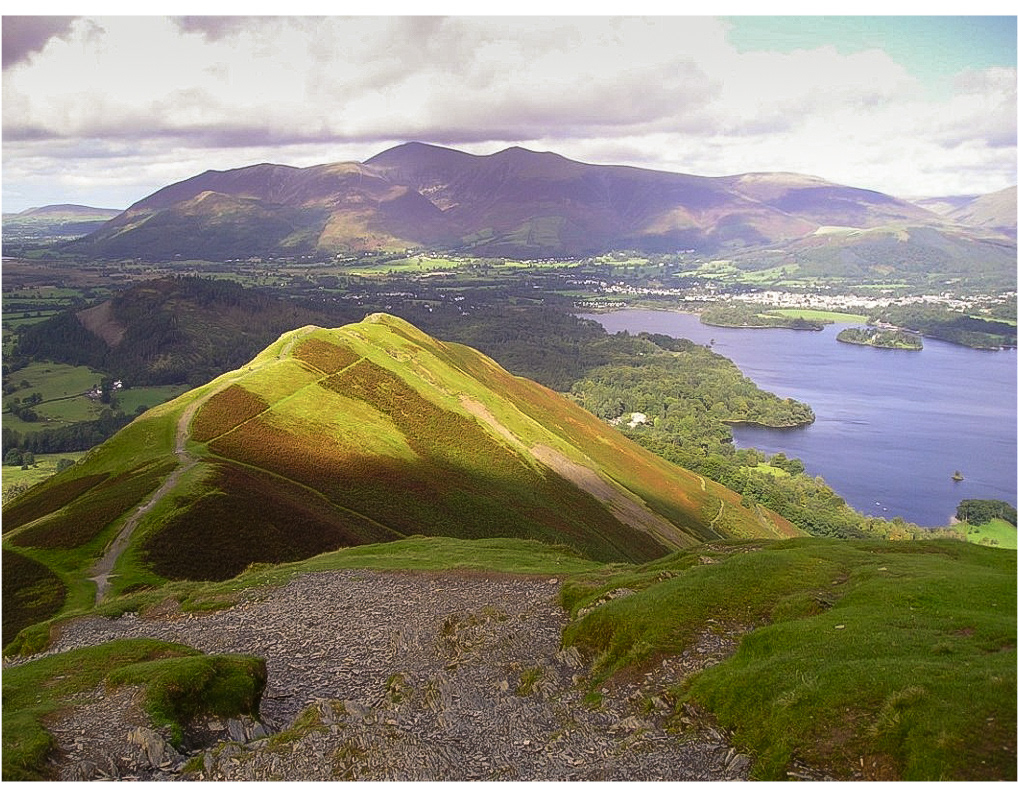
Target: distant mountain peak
516	202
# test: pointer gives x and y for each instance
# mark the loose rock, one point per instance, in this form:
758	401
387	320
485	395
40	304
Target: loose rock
401	676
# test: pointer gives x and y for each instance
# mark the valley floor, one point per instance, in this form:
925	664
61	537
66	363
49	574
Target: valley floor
402	676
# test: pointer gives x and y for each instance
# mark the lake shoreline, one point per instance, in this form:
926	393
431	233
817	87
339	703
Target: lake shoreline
889	429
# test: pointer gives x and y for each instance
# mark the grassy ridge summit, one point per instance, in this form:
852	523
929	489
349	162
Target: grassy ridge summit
368	433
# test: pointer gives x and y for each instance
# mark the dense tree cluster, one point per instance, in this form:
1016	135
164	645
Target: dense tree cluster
179	330
690	396
977	511
949	325
881	338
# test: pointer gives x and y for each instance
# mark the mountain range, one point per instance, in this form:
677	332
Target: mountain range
517	203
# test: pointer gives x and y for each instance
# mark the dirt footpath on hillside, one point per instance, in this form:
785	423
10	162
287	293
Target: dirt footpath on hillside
400	676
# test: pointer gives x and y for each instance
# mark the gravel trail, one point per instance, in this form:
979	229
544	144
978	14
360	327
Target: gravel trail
401	676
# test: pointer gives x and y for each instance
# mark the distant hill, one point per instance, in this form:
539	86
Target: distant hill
997	211
183	330
55	221
515	202
367	433
63	212
979	259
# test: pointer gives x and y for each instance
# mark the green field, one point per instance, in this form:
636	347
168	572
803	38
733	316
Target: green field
822	315
770	470
776	275
53	380
63	401
62	388
44	467
16	321
997	533
133	398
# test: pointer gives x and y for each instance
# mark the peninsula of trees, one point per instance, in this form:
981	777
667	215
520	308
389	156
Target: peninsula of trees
881	338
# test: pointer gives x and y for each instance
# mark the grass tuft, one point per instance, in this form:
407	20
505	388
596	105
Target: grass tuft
180	682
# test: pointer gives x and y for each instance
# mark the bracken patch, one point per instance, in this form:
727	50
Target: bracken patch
248	517
225	410
38	503
326	357
86	517
32	593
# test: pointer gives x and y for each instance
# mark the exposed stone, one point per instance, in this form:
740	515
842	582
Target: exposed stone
154	746
413	676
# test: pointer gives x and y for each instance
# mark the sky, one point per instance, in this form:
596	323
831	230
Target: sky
104	110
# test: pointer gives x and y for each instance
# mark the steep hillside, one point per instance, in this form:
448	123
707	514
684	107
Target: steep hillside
515	202
368	433
183	330
996	211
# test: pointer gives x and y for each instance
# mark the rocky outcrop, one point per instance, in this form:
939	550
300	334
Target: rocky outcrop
402	676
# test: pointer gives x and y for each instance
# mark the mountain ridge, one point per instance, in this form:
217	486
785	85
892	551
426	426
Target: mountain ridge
515	202
371	432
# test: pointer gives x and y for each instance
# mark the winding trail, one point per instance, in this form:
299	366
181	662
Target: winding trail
101	571
717	517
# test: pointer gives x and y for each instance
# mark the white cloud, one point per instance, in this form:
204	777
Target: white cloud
166	95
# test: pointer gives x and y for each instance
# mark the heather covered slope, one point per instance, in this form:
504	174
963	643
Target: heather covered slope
368	433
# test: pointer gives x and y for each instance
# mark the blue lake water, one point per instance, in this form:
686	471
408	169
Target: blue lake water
892	426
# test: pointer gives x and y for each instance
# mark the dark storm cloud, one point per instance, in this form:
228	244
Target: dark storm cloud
23	36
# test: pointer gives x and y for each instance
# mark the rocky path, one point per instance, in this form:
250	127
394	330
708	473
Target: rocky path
102	570
402	676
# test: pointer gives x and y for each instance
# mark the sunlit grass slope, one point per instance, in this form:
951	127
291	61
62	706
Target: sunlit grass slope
369	433
879	660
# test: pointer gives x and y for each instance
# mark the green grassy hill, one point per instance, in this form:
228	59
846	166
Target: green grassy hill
369	433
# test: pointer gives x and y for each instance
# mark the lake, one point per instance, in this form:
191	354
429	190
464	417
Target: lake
891	426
